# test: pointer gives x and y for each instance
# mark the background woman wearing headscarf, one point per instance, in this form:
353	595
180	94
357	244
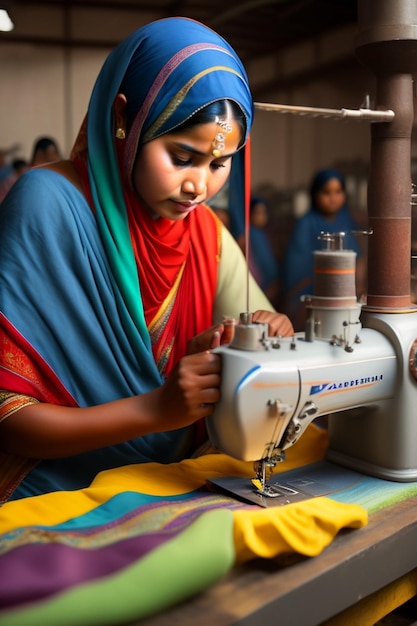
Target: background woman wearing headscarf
262	259
328	212
115	275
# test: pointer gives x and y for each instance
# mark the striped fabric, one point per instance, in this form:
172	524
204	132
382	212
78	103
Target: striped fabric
144	537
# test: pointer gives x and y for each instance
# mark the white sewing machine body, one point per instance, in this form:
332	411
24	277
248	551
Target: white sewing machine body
270	396
357	365
362	377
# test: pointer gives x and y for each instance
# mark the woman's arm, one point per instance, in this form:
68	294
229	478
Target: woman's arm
49	431
232	296
232	293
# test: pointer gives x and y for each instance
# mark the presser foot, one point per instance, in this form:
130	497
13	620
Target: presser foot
263	471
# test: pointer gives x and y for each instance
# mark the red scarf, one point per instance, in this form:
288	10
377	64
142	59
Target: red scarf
177	265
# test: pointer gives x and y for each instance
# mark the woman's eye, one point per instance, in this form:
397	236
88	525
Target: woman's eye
188	161
180	161
217	166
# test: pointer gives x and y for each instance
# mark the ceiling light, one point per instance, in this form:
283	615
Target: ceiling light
6	23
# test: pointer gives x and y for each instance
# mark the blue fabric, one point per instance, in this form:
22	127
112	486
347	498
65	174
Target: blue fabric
205	57
50	245
6	171
264	257
237	197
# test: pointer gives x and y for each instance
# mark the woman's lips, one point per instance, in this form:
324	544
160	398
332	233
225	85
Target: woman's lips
185	207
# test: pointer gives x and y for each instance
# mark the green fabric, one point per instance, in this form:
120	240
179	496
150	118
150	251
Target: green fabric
175	571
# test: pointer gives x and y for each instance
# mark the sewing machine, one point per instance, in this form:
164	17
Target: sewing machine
356	364
273	388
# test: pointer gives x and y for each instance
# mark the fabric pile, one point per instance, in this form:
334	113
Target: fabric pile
144	537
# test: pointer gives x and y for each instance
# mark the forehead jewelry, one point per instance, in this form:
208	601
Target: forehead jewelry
220	137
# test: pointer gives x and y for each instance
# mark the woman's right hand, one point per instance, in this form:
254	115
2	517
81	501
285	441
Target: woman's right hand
47	431
191	390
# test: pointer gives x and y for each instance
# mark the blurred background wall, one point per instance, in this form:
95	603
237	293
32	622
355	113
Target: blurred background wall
48	64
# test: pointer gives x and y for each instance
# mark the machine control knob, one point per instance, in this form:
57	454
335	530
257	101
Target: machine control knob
276	407
413	359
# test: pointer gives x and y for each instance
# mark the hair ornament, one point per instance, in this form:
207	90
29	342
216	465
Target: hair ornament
220	137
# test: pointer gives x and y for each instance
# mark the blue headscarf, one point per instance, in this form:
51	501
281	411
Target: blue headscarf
168	70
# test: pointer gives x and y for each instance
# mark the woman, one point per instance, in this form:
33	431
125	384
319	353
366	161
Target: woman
45	150
115	274
263	261
328	212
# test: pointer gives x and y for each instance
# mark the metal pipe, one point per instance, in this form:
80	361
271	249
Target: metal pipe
359	114
387	44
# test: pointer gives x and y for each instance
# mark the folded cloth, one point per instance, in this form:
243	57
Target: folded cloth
143	537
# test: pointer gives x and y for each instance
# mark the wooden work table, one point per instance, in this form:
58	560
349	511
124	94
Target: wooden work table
366	572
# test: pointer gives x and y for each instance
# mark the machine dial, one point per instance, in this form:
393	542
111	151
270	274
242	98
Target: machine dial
413	359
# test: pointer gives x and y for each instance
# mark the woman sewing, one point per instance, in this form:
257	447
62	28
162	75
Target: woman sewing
115	274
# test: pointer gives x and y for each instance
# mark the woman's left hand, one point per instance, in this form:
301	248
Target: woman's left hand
209	339
279	324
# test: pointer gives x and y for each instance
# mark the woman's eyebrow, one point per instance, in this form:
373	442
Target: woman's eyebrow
188	148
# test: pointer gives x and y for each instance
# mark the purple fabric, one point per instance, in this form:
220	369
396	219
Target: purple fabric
40	561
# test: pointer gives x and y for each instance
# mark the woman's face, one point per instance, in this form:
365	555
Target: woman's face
177	171
330	198
259	215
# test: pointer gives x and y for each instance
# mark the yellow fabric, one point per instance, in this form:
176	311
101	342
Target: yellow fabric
305	527
150	478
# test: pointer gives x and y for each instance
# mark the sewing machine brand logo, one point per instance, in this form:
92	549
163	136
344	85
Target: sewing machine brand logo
368	381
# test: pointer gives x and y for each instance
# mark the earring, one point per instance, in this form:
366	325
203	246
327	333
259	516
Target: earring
121	133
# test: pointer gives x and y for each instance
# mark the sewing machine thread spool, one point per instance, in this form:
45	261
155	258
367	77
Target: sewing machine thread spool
334	278
333	307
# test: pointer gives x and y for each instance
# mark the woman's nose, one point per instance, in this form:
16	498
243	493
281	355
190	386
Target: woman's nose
195	182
